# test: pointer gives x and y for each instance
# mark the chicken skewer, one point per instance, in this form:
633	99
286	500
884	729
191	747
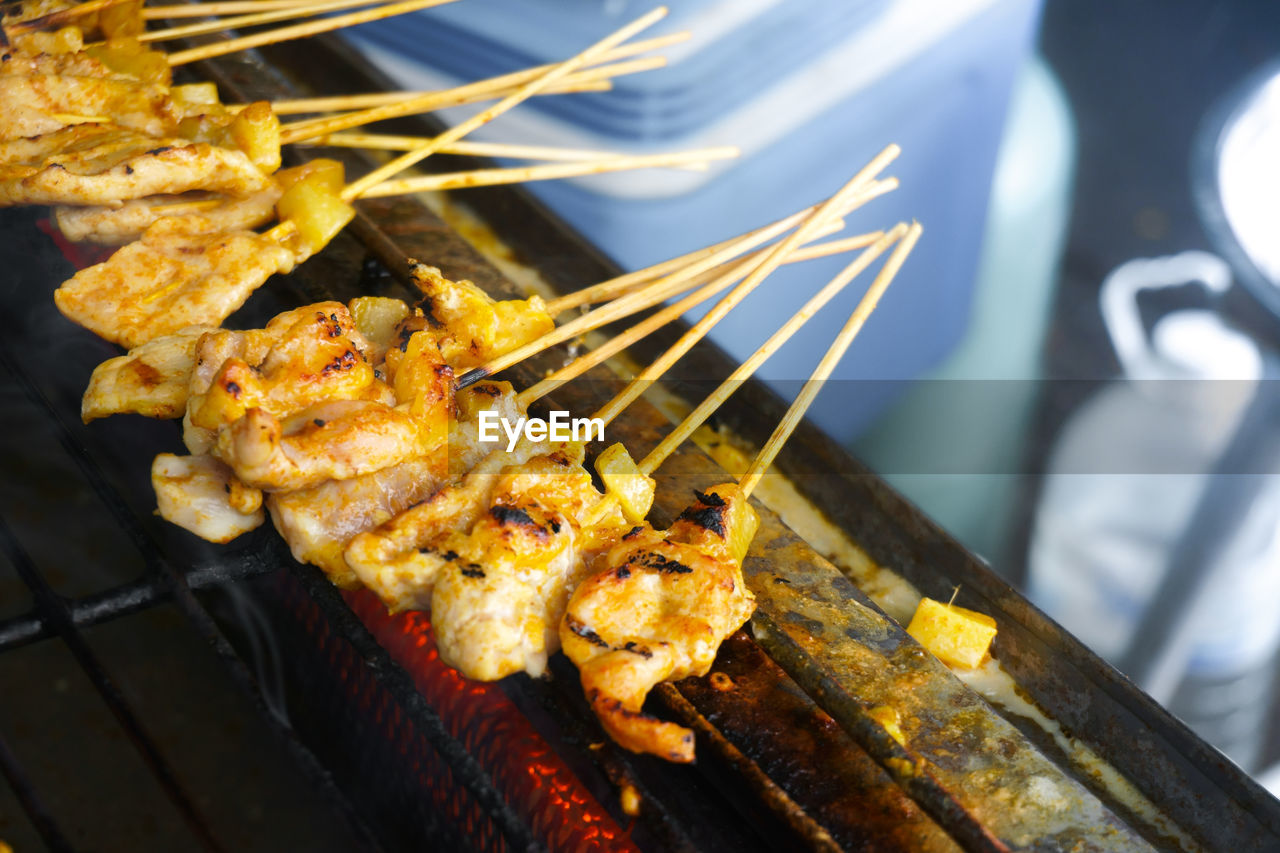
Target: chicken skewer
402	559
663	601
499	597
119	225
115	224
199	493
209	276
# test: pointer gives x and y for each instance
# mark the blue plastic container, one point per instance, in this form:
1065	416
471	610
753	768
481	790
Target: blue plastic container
935	78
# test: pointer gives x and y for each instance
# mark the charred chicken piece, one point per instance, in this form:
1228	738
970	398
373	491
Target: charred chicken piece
319	522
471	327
502	590
657	609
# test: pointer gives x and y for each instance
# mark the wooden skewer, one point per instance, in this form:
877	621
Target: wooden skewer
854	193
297	31
748	367
765	457
704	410
662	288
717	283
525	174
316	126
391	142
229	7
489	85
252	20
482	90
624	284
525	92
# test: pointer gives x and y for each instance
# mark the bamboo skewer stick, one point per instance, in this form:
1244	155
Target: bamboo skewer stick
491	84
297	31
823	371
717	283
707	407
520	95
662	288
229	7
525	174
391	142
852	193
748	367
624	284
251	20
481	90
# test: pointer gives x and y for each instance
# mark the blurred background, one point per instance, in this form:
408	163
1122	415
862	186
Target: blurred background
1072	375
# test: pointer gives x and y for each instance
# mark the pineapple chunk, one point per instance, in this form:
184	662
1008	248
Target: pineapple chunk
327	173
193	95
129	57
318	213
623	479
256	132
122	20
740	522
957	636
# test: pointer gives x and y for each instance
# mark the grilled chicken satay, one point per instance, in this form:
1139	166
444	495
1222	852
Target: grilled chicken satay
500	595
656	608
206	212
98	163
661	603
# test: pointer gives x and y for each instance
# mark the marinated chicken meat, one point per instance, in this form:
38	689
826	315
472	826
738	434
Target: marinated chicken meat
656	609
471	326
201	495
309	355
104	163
319	522
115	226
150	380
175	276
501	592
37	104
400	559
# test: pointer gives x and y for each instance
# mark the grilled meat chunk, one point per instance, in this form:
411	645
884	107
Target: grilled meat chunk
174	277
150	380
657	610
319	522
200	494
205	213
104	164
501	593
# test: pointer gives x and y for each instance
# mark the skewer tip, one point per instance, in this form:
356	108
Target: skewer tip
471	377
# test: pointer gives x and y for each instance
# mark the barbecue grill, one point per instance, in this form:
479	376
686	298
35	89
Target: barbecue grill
368	741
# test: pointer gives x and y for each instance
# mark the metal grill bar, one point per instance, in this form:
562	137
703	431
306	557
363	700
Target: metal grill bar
55	612
472	775
31	803
123	600
170	583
